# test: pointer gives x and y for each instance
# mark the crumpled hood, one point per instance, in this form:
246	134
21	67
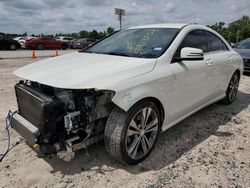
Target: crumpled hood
245	53
85	70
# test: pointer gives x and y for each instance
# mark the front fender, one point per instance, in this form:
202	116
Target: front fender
127	98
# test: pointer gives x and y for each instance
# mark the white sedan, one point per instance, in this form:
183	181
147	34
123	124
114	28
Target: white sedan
125	89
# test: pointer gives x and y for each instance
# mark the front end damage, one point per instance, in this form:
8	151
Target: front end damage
53	119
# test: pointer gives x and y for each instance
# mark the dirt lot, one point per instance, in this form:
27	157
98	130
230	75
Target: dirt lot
209	149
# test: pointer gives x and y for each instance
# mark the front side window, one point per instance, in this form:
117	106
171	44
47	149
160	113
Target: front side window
67	38
214	43
244	45
195	39
142	43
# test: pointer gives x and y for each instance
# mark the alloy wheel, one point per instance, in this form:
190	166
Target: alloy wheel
39	46
142	133
233	87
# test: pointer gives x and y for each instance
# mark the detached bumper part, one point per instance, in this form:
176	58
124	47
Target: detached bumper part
25	129
30	133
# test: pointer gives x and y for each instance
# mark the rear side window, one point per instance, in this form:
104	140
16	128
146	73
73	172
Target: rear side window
214	42
195	39
91	40
244	45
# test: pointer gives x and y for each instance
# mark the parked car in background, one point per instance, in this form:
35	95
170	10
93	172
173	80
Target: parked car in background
23	41
71	43
125	89
19	38
45	43
243	48
82	43
64	39
7	43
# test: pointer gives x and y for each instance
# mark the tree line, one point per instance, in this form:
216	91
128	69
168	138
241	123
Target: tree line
235	31
82	34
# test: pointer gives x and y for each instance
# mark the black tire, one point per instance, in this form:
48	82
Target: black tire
117	127
13	46
232	89
64	46
39	46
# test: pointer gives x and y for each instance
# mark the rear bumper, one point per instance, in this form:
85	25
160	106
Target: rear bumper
246	65
25	129
246	68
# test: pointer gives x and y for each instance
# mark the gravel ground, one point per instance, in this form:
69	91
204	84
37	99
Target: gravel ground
6	54
209	149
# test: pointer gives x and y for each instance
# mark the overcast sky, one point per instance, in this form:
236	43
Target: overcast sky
51	16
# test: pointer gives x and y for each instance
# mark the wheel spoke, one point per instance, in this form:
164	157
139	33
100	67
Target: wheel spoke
237	85
145	146
152	126
143	116
133	124
149	110
132	150
146	112
231	84
132	132
230	95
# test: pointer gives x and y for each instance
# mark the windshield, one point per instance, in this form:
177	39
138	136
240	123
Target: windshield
143	43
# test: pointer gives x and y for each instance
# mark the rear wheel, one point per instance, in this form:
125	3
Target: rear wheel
39	47
130	136
64	46
232	89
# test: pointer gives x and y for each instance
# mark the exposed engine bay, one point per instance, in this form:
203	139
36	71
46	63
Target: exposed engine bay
63	119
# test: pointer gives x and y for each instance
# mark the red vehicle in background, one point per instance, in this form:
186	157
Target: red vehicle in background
45	43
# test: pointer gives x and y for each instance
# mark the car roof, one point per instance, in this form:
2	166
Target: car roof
167	25
245	40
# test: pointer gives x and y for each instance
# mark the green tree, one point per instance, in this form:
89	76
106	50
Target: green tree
242	25
93	34
229	32
110	30
84	34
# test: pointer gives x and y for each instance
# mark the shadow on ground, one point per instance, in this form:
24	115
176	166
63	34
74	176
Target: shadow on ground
170	146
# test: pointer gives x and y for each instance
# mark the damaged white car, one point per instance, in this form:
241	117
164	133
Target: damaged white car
125	89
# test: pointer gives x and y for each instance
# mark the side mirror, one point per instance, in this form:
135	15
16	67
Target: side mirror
232	45
191	54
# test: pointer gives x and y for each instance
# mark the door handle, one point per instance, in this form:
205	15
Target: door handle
230	58
209	62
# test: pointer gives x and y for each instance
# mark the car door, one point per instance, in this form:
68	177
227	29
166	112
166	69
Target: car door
190	80
48	43
4	41
218	58
55	44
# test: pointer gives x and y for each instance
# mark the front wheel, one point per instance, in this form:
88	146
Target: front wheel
232	89
130	136
13	47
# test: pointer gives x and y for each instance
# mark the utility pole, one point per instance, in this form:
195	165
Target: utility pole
120	13
238	36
